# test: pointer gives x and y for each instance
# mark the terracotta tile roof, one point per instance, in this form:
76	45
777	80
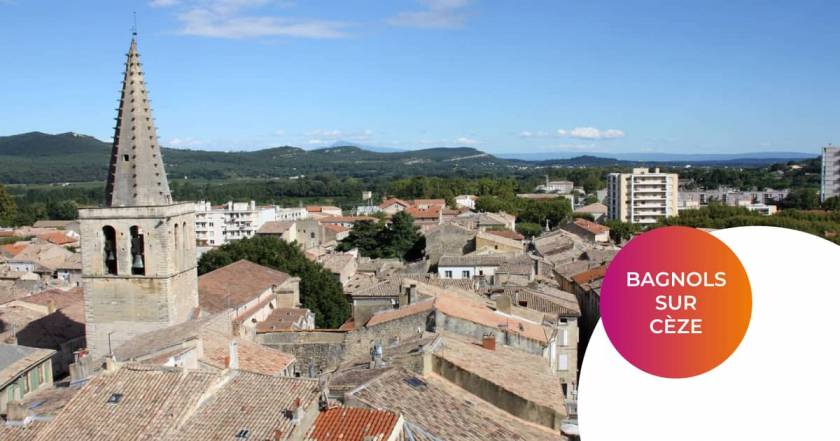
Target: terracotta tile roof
151	403
314	208
430	202
235	285
510	234
596	208
405	311
13	249
388	202
275	227
252	402
444	411
477	312
253	357
591	227
335	263
60	298
349	325
432	212
504	367
282	319
590	275
346	219
180	404
547	300
135	349
57	238
336	228
22	433
353	424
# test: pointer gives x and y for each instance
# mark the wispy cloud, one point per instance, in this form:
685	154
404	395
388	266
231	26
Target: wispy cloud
435	14
184	143
246	19
466	141
593	133
577	132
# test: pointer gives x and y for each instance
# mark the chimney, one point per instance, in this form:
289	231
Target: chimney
376	356
412	293
232	360
50	306
489	342
111	364
278	435
296	412
503	304
16	413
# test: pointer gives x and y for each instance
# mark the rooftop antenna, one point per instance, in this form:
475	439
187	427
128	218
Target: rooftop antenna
134	26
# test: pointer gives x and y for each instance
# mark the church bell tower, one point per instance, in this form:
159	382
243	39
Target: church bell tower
138	249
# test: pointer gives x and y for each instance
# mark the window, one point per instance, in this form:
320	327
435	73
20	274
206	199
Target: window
465	274
563	362
125	157
115	398
109	249
447	274
138	254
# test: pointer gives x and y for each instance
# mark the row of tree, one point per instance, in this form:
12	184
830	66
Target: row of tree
397	238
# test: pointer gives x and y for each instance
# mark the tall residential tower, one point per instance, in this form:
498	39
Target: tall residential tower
138	250
641	197
830	184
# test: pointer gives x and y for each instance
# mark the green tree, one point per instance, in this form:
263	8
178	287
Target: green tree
319	291
8	208
402	238
528	229
832	204
621	231
802	199
63	210
366	236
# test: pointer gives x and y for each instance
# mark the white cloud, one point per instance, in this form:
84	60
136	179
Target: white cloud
440	14
336	135
163	3
243	19
279	132
466	141
561	132
593	133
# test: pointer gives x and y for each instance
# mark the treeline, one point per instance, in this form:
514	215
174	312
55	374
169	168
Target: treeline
825	224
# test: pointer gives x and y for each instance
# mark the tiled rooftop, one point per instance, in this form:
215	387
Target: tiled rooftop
275	227
405	311
526	375
282	319
445	411
353	424
235	285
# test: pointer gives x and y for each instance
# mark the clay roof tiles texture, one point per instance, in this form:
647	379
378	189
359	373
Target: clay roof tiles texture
235	285
353	424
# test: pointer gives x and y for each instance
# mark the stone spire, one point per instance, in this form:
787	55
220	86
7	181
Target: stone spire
136	176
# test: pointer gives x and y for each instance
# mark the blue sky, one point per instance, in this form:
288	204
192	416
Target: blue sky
503	76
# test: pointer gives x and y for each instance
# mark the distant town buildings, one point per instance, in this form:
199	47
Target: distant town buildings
562	187
220	224
642	197
830	186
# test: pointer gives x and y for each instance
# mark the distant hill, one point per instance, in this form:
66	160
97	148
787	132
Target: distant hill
763	157
37	157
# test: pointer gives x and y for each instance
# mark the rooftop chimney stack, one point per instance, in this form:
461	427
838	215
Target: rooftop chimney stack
16	413
489	342
233	357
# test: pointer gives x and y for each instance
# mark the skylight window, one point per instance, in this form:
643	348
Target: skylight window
115	398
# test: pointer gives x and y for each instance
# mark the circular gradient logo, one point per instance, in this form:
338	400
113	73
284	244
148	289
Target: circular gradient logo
676	302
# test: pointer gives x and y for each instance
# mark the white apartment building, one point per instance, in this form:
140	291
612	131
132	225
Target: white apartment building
291	214
216	225
830	185
562	187
641	197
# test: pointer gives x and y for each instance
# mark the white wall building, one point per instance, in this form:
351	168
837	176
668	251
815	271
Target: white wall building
220	224
830	173
290	214
556	186
641	197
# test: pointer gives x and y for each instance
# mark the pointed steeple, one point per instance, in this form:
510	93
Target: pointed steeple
136	176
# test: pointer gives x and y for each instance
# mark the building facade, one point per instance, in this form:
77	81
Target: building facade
641	197
830	186
218	225
138	250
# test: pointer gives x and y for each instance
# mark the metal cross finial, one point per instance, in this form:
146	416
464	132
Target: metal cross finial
134	26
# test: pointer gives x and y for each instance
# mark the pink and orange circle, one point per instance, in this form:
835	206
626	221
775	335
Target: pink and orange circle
676	302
